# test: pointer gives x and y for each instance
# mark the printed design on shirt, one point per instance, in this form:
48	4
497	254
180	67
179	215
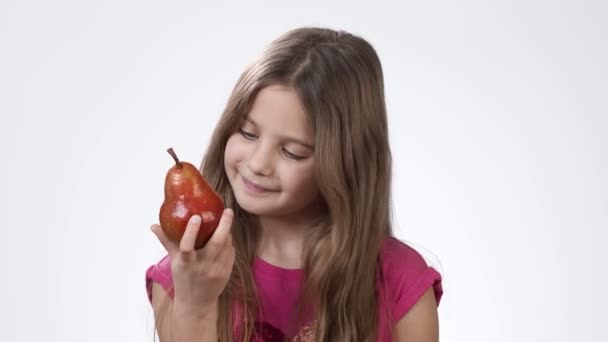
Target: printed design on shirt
266	332
304	335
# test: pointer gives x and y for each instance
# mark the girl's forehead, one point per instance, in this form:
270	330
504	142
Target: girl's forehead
278	109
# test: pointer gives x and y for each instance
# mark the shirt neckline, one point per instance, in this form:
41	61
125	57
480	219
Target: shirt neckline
267	268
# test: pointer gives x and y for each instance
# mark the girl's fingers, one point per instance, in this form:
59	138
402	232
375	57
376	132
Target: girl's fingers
226	254
225	258
164	240
221	234
188	240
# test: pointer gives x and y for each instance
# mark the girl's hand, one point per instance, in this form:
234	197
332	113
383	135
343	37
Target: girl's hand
200	276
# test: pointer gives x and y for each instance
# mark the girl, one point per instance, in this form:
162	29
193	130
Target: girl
304	250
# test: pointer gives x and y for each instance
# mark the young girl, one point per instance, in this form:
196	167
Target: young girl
304	250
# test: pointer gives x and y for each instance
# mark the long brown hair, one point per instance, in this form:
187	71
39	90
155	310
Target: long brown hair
339	80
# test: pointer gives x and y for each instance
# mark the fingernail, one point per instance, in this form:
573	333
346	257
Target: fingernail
196	219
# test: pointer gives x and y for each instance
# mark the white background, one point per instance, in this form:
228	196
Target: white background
498	122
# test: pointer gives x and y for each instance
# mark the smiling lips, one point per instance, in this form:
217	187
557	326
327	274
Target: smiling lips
253	187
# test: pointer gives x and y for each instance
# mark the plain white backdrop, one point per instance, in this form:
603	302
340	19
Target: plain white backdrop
498	122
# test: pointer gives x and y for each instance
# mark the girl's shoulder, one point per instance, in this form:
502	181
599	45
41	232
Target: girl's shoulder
406	276
395	252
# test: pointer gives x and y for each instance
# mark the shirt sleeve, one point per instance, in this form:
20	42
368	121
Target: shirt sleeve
408	277
161	274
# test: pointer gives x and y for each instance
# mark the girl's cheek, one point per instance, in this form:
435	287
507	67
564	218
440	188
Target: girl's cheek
236	150
229	152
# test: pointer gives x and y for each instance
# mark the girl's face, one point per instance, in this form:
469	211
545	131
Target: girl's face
269	160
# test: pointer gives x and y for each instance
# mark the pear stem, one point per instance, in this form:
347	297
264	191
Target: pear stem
172	153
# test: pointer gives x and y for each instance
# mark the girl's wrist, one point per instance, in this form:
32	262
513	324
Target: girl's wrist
194	323
186	310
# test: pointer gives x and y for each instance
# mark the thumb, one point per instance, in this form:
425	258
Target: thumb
164	240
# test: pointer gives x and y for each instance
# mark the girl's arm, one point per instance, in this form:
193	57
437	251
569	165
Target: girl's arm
199	276
176	325
421	323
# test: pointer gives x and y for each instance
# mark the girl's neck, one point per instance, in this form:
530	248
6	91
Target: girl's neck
281	240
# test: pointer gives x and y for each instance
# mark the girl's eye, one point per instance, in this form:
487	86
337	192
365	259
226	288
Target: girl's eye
247	135
251	136
292	156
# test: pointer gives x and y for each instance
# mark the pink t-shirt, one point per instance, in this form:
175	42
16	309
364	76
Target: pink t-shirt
406	277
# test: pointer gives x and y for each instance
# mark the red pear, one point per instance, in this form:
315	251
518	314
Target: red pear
187	193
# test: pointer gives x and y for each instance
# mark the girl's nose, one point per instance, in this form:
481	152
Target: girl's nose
260	162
